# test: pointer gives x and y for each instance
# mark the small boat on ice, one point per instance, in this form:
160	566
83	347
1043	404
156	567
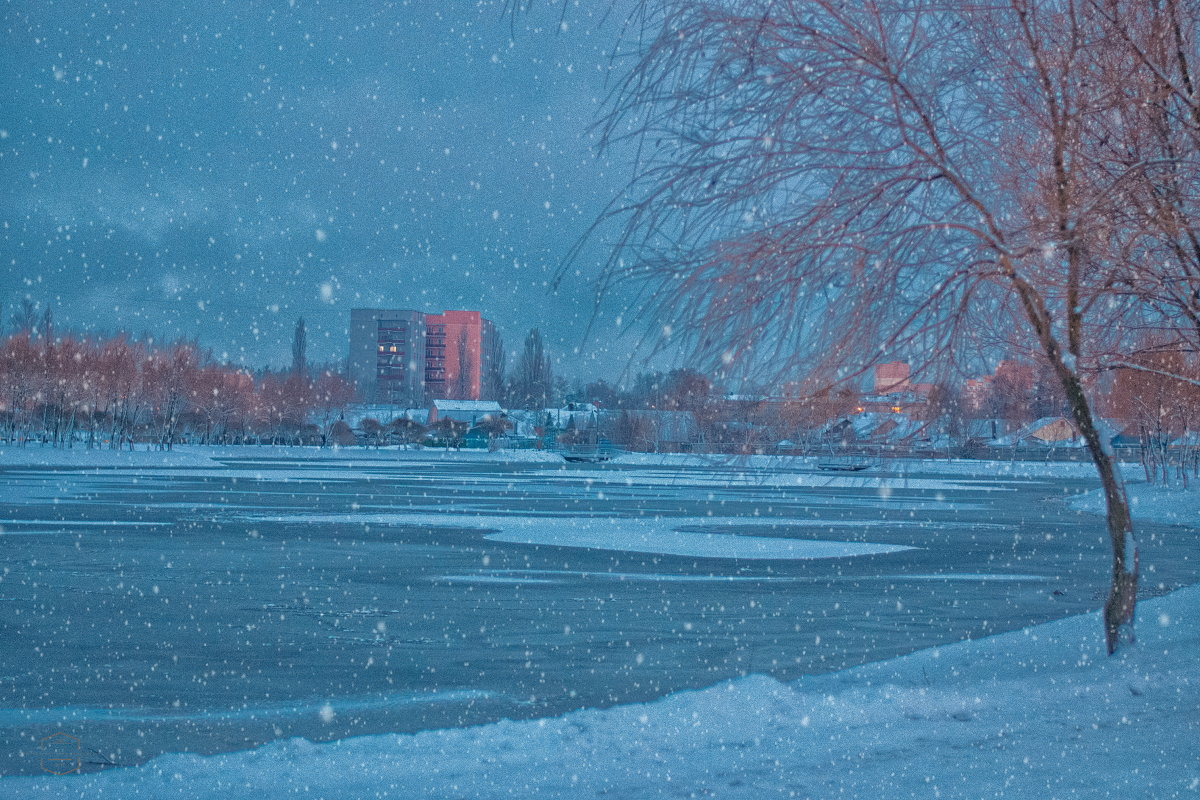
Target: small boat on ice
843	467
847	462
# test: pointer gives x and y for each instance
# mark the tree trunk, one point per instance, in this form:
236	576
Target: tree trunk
1122	592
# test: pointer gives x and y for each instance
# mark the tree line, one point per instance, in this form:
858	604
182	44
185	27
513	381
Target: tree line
114	391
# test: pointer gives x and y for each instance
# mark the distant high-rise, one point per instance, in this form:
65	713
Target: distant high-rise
410	358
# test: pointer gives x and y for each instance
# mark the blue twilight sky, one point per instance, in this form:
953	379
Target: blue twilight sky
217	169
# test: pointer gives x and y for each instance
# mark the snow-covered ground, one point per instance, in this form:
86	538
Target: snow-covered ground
391	453
1037	713
966	467
80	456
211	455
1169	505
194	455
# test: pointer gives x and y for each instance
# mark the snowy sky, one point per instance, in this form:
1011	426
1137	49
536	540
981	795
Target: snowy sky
220	168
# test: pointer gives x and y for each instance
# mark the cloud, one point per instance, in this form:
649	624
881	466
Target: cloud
458	180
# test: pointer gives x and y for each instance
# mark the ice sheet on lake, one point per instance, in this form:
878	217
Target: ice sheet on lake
497	579
61	526
660	535
283	708
609	534
553	576
961	576
83	523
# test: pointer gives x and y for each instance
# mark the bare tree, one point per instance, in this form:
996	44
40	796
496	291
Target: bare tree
495	426
1160	408
493	375
1157	133
46	325
50	385
372	430
533	383
821	183
406	431
450	431
462	378
221	398
332	393
300	348
26	318
170	380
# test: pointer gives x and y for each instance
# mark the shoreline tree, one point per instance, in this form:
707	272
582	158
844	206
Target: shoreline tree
533	383
822	183
493	373
129	391
406	432
300	349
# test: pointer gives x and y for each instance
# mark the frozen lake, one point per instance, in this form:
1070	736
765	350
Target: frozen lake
212	607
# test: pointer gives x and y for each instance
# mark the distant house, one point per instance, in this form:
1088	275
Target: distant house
1130	436
468	411
573	416
576	416
985	430
1190	440
886	428
356	413
1054	432
908	402
525	424
419	415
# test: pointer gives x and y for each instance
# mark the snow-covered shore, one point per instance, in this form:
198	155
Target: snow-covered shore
199	455
34	455
1040	712
212	455
1169	505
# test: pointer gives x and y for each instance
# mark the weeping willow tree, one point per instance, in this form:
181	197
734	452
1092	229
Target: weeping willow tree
821	183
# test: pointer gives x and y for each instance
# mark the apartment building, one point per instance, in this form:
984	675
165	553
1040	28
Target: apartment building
410	358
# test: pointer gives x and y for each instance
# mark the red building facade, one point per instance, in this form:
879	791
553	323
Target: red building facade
454	355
